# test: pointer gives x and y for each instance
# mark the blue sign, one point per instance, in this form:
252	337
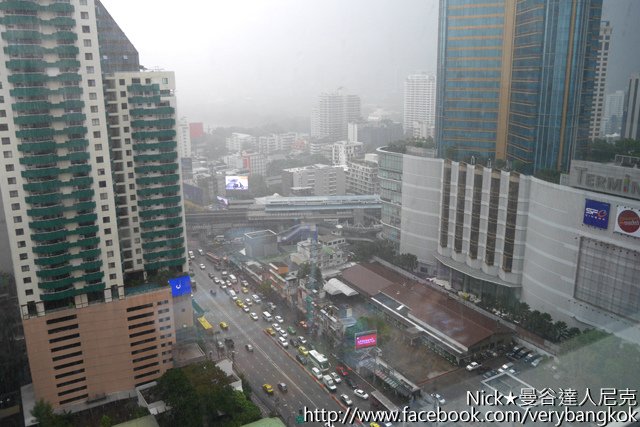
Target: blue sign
180	286
596	213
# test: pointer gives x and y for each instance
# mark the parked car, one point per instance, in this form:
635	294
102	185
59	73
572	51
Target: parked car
350	382
249	347
279	319
490	373
336	378
316	373
302	340
253	316
300	358
202	266
282	387
473	366
342	370
283	342
441	400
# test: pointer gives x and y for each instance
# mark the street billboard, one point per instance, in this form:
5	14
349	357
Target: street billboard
236	182
366	340
180	286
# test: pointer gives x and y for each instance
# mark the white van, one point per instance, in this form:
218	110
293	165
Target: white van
316	373
191	255
266	316
233	279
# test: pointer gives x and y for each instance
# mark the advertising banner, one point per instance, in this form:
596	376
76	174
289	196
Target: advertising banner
628	221
367	340
180	286
596	213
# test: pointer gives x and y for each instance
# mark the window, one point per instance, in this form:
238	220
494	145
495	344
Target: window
109	242
24	268
113	276
13	193
83	2
104	196
91	82
107	231
110	254
15	206
11	181
125	118
98	147
93	96
95	122
23	257
88	56
19	232
86	42
99	159
105	208
28	292
6	141
121	82
103	184
123	94
3	113
7	154
84	15
165	81
112	265
22	244
86	29
123	106
106	219
96	134
94	108
17	219
9	168
27	280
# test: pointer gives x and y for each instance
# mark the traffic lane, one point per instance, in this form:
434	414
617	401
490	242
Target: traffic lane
292	373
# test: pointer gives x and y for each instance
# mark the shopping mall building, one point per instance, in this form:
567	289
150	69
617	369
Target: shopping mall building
571	250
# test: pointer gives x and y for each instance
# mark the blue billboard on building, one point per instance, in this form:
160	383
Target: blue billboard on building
180	286
596	213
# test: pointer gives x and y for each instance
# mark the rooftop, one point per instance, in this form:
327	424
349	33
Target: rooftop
431	309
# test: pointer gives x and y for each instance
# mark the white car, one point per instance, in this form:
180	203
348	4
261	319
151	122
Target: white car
336	377
345	399
473	366
202	266
253	316
439	398
279	319
276	327
316	373
283	342
283	333
248	302
256	299
302	340
246	309
361	393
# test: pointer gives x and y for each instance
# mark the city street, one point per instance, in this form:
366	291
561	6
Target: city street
269	362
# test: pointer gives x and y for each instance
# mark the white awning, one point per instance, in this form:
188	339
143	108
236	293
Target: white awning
335	287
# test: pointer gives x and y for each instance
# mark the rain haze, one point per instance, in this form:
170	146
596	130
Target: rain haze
252	62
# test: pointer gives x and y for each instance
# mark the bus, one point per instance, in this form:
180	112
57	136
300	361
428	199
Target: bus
215	260
205	325
319	360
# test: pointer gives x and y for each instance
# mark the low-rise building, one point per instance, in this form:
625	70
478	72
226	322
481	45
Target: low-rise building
362	177
319	180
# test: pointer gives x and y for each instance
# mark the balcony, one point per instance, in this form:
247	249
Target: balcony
60	246
154	99
58	259
158	123
155	157
153	134
60	222
172	200
165	145
158	111
37	147
166	167
26	78
162	264
162	222
171	253
35	119
171	189
160	243
172	232
162	211
19	6
42	172
162	179
32	106
153	88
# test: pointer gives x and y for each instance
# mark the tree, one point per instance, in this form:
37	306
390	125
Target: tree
43	412
177	392
105	421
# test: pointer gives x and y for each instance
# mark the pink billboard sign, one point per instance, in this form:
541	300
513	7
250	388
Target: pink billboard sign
368	340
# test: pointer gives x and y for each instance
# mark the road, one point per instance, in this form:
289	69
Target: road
269	362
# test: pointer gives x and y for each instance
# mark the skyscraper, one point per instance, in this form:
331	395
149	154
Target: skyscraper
92	200
515	79
631	115
613	112
596	128
332	114
419	105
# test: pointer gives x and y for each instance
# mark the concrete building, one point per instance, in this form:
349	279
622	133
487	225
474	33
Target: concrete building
325	256
420	105
344	151
276	142
375	133
631	115
613	112
497	234
184	138
92	200
498	98
261	244
255	163
332	113
596	129
362	177
240	141
320	180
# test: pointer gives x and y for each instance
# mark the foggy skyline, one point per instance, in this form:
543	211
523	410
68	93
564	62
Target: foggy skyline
249	62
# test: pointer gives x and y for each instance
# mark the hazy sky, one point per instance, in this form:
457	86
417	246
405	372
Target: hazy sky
242	62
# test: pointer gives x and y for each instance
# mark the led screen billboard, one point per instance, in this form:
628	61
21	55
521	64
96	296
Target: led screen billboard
236	182
596	213
366	340
180	286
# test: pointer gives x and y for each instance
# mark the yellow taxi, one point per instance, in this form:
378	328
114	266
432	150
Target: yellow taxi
374	425
267	388
239	303
224	326
245	290
303	351
270	331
